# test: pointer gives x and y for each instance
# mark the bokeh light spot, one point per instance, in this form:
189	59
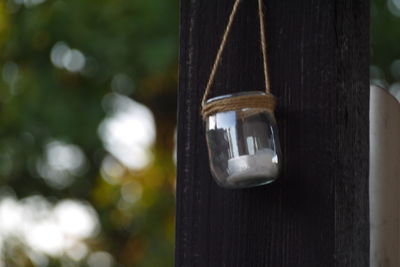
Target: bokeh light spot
100	259
29	3
78	251
57	54
10	72
73	60
394	7
131	192
128	132
61	164
46	228
62	56
112	170
76	219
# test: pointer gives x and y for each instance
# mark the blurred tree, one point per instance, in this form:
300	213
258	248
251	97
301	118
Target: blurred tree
385	51
60	61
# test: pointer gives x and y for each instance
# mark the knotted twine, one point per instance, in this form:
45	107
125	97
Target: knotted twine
265	102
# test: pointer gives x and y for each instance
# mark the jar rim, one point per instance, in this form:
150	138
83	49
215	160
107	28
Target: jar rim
244	93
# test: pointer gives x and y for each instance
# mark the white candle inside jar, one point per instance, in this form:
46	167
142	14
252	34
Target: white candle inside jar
262	164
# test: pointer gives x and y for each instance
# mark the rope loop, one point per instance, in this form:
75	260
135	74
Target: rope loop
230	104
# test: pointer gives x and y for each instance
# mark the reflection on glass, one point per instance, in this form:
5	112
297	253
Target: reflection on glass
243	147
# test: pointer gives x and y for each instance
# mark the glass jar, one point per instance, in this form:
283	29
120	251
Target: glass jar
243	145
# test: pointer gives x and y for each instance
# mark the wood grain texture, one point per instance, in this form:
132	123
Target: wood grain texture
317	213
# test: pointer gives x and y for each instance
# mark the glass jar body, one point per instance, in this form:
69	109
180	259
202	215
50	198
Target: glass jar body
243	146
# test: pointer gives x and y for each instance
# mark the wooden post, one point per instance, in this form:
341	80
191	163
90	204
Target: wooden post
317	213
384	184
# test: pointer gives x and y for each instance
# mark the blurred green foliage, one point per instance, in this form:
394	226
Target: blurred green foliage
40	102
385	36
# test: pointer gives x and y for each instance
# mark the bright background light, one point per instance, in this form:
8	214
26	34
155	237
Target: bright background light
48	229
128	132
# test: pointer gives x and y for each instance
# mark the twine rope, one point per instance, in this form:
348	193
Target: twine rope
267	101
263	102
263	45
219	53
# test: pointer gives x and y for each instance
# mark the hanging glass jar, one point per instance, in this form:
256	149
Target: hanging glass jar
243	144
241	132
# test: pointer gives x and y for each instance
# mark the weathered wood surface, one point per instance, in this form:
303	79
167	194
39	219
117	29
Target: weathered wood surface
317	213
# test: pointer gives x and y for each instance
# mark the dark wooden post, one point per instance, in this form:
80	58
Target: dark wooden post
317	213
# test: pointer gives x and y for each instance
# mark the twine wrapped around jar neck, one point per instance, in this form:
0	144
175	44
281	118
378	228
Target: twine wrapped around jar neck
265	101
